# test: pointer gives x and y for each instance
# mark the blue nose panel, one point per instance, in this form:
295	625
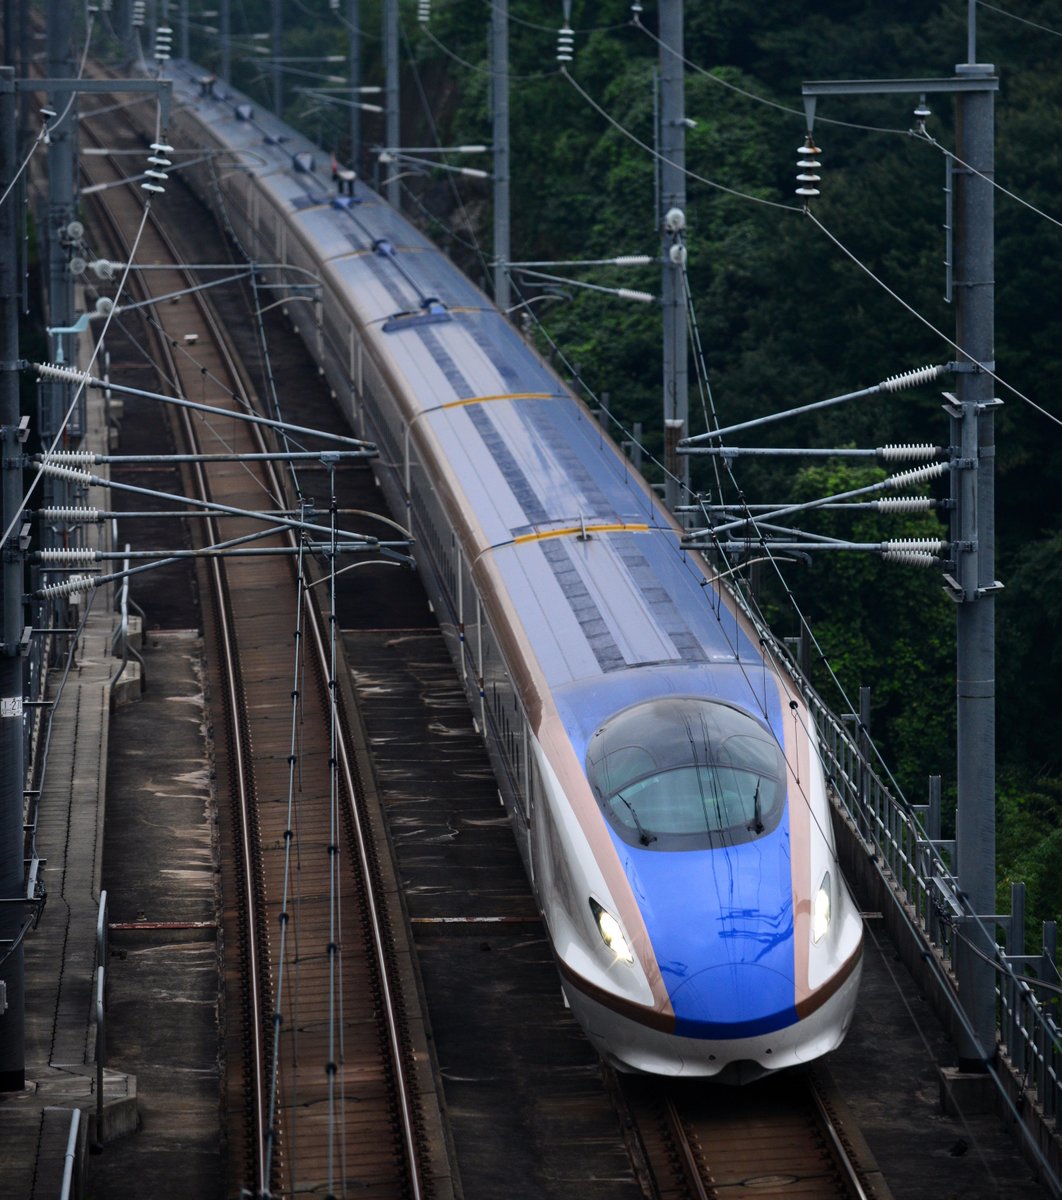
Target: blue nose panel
721	925
721	1002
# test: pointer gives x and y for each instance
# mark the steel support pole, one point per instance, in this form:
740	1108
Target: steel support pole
128	37
975	657
500	103
393	130
973	586
152	26
23	63
12	771
62	153
672	143
225	26
278	68
354	77
13	14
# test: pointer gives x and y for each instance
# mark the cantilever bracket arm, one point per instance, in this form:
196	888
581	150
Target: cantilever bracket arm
163	88
980	79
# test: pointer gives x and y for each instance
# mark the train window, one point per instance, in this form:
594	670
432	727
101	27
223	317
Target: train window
686	773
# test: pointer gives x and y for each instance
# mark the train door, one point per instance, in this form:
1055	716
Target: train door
539	865
459	560
480	667
358	377
526	788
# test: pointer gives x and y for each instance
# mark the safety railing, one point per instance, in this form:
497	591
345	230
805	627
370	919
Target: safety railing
121	645
101	1010
70	1157
891	828
915	863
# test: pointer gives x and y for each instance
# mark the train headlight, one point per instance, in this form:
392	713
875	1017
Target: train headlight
820	910
611	932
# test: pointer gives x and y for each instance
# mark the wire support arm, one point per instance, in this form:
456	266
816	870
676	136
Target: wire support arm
568	281
87	480
789	531
83	515
915	452
61	374
84	583
895	383
75	556
903	479
67	458
914	554
896	504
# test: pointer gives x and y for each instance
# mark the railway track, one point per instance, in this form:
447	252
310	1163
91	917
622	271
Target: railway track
326	1091
777	1139
689	1149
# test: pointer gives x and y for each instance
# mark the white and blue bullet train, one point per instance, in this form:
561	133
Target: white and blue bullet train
658	768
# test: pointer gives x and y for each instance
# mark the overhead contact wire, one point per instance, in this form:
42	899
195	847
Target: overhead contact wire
712	183
289	849
733	87
929	324
334	1056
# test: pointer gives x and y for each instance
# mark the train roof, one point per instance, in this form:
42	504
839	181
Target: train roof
591	567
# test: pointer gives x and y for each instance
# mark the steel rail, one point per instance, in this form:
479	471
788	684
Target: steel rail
248	865
842	1157
706	1149
402	1085
691	1168
390	1005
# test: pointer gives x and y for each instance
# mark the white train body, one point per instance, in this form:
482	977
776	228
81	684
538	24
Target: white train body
661	774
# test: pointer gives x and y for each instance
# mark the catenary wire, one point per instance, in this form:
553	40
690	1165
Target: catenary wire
476	67
1022	20
932	141
927	323
733	87
553	28
664	159
433	126
775	559
46	128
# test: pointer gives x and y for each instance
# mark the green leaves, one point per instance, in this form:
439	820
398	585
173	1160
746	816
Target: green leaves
783	317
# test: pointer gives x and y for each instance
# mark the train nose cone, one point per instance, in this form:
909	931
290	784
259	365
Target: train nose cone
733	1000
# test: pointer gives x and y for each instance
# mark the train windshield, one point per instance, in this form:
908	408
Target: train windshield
683	773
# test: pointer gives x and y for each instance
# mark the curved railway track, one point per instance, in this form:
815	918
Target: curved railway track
778	1139
771	1140
323	1093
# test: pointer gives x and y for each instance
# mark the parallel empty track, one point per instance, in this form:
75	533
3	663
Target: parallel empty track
327	1089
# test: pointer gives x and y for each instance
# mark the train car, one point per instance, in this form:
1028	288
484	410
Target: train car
660	768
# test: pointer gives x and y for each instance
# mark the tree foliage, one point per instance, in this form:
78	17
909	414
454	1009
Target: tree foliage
783	316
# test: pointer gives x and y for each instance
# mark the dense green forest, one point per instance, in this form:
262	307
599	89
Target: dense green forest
783	316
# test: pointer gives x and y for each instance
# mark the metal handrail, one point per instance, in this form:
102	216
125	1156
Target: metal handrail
101	1048
121	634
101	931
923	885
70	1157
101	1010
